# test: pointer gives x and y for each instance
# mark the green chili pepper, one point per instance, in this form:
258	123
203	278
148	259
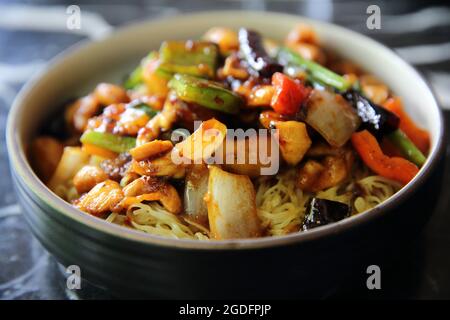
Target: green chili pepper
206	93
197	58
316	71
108	141
407	147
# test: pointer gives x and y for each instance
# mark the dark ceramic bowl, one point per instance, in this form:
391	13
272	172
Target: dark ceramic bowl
134	264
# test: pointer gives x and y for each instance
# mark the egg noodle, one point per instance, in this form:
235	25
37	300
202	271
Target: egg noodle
281	206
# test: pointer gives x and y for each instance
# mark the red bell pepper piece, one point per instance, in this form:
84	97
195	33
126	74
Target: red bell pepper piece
394	168
289	94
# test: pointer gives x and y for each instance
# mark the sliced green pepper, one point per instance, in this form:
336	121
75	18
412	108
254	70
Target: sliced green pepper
407	147
108	141
206	93
197	58
316	71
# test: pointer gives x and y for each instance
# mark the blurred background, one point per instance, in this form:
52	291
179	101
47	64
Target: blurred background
33	32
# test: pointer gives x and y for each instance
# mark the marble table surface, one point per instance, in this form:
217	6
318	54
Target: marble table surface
32	32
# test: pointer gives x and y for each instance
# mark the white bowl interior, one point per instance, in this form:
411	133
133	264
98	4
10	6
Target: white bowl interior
110	59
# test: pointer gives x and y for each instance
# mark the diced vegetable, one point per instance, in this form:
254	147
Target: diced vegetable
331	116
395	168
293	140
203	143
321	212
406	147
419	136
231	206
289	94
195	189
72	160
197	58
206	93
375	118
288	57
251	46
150	149
108	141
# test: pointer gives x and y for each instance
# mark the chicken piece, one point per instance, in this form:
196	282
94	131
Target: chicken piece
107	93
260	96
45	155
293	140
310	52
268	119
309	174
152	189
163	121
225	38
103	198
87	177
159	167
332	171
83	109
301	33
374	89
233	68
151	149
131	121
322	149
231	206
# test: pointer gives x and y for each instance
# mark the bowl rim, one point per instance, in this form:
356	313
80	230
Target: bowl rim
19	163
